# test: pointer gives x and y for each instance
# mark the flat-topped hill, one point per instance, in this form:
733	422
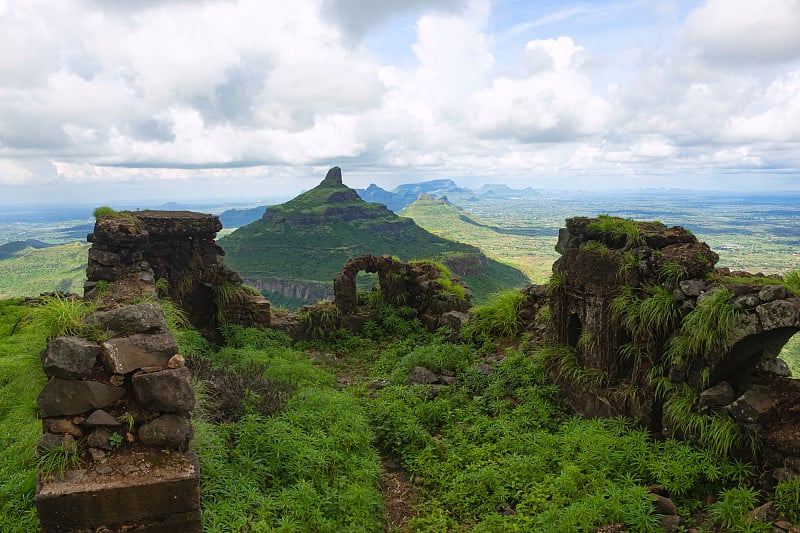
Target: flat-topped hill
298	247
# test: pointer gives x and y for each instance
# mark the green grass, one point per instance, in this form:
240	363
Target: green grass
499	317
451	222
34	271
21	379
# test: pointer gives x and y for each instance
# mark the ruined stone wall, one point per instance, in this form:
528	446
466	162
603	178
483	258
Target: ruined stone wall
649	321
120	396
415	285
177	247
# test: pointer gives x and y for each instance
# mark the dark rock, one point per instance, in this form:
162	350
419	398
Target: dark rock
778	314
50	441
127	354
670	523
66	397
96	454
100	439
101	418
63	426
167	431
770	293
69	357
748	301
140	318
716	397
746	325
454	320
754	406
763	513
663	505
168	391
693	287
775	366
103	470
420	375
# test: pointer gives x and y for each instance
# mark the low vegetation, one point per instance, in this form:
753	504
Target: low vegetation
291	436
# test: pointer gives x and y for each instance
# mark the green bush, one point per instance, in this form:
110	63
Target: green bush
104	211
498	318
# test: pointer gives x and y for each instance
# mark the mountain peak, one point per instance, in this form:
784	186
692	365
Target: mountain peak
333	177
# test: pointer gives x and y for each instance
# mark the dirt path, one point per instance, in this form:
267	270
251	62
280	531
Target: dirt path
399	496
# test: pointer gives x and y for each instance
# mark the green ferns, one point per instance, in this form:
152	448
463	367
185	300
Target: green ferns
705	329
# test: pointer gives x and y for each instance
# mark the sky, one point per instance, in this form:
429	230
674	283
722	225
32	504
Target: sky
115	100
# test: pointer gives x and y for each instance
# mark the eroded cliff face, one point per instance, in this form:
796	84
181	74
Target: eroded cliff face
648	328
176	251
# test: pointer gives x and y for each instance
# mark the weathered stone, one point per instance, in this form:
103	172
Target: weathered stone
104	257
763	513
770	293
670	523
162	499
167	391
663	505
167	431
50	441
716	397
140	318
693	287
96	454
176	361
420	375
778	314
127	354
454	320
775	366
69	357
66	397
746	324
747	301
62	426
100	439
101	418
754	406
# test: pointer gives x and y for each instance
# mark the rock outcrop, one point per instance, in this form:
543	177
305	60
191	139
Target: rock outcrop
653	331
177	247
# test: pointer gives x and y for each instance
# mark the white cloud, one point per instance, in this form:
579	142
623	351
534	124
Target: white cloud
743	31
554	102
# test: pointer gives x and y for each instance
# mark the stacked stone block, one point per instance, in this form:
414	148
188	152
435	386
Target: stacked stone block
129	396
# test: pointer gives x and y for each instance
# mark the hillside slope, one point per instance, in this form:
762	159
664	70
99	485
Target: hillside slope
29	271
444	219
298	247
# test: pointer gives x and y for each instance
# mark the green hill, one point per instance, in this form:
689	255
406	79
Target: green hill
29	271
307	241
444	219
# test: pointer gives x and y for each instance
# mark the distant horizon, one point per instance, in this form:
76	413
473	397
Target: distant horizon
155	202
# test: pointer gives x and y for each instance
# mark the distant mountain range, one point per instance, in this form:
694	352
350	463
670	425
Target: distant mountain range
293	252
398	198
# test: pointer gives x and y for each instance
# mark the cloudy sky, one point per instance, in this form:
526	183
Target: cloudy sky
103	100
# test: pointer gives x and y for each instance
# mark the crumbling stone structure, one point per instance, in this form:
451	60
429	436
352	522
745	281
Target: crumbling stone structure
123	403
416	285
179	248
652	327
